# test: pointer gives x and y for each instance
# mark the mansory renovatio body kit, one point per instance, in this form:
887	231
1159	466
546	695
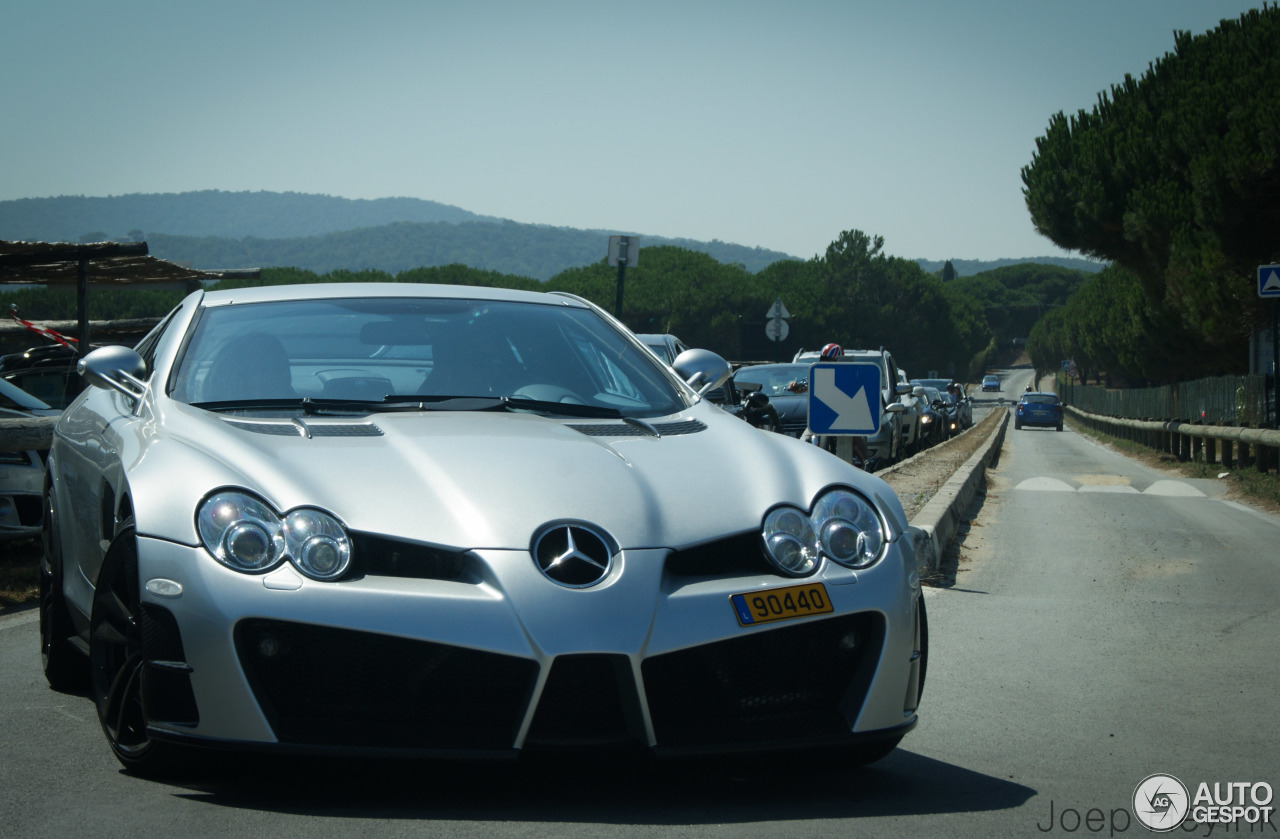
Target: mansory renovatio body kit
428	520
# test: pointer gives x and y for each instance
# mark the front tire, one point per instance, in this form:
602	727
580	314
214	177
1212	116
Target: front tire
64	669
118	666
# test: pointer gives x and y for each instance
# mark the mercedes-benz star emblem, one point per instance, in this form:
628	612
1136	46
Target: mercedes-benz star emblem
572	555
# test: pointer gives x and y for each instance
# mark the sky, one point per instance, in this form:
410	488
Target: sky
768	124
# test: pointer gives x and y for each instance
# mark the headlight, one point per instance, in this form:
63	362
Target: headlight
843	527
246	535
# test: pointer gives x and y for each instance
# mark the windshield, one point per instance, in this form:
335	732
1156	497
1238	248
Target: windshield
401	351
775	379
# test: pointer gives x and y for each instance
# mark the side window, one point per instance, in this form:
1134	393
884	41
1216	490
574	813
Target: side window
147	346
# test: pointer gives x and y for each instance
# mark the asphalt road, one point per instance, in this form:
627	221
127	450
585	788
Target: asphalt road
1107	622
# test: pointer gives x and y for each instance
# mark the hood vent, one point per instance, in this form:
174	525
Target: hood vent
640	429
298	428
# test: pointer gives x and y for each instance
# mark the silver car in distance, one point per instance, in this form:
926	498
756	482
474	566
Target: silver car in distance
415	520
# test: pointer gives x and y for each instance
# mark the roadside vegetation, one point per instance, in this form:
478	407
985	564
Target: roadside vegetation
1174	178
855	295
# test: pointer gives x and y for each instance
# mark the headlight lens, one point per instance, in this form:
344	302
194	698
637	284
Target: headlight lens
843	526
317	544
850	529
243	533
790	541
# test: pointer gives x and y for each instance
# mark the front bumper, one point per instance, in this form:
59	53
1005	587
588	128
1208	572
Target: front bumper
500	660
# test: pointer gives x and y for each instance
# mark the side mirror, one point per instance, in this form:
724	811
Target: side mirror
895	408
115	368
902	390
917	391
702	370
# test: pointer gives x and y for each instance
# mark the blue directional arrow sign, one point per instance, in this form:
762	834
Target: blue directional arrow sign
844	398
1269	280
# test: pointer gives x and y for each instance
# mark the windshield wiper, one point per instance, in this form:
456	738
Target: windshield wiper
510	403
564	409
343	407
411	402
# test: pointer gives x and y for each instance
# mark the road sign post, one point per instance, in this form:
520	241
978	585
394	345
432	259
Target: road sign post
1269	286
844	399
776	327
623	251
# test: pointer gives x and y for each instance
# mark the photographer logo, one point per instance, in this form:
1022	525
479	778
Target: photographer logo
1160	802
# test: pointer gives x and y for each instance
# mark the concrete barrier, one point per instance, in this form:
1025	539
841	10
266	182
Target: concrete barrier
935	525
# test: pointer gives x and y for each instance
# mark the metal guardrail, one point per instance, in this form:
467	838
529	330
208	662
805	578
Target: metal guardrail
1230	445
1232	400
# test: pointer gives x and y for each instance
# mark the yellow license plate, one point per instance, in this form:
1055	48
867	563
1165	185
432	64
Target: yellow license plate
780	604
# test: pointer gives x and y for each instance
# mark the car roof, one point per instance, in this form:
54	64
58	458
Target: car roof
341	291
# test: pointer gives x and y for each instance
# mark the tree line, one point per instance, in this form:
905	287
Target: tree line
854	294
1174	178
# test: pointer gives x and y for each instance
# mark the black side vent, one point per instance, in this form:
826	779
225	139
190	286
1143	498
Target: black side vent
166	683
741	554
378	556
621	429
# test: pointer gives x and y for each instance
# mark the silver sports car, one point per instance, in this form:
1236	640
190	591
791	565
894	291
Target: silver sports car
438	521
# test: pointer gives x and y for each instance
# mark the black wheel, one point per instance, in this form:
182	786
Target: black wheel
118	667
64	668
1059	426
1017	426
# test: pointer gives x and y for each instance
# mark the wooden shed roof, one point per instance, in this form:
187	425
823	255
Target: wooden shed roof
108	263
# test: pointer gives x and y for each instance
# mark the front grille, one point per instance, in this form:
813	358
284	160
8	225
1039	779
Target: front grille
773	687
741	554
321	686
588	700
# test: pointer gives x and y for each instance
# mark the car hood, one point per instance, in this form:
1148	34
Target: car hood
491	480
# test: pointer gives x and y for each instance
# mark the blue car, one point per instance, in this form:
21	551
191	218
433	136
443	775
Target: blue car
1038	409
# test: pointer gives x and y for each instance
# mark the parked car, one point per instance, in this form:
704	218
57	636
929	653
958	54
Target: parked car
953	391
21	472
411	519
990	382
787	388
1035	408
931	423
964	404
886	446
913	415
47	372
666	347
889	444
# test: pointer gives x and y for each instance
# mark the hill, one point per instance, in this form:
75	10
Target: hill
322	233
266	215
972	267
506	247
